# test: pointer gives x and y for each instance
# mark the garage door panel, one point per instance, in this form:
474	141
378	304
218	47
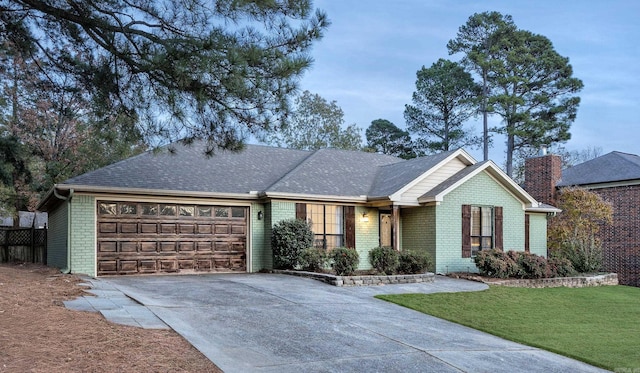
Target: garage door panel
107	228
238	229
186	246
148	266
168	238
129	228
107	247
168	228
167	246
148	228
127	266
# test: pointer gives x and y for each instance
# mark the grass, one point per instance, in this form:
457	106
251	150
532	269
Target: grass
597	325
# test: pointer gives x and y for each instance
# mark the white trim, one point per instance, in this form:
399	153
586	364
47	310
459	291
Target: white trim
498	175
156	192
314	197
466	158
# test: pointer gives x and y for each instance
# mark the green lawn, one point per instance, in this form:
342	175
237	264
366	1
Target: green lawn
598	325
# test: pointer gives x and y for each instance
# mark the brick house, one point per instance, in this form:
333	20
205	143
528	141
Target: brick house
616	178
182	212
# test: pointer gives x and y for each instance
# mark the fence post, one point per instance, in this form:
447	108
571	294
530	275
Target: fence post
33	244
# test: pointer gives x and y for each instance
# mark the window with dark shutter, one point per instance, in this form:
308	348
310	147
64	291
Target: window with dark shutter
466	231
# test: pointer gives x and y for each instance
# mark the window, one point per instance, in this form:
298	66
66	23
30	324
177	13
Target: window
327	223
481	228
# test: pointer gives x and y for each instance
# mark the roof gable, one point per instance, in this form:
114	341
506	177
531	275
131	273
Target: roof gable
611	167
438	193
397	178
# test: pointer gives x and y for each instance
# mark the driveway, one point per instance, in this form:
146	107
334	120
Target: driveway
279	323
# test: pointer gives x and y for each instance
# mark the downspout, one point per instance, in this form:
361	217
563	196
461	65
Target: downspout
68	199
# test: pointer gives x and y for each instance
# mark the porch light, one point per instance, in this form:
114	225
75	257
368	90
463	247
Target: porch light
260	214
364	218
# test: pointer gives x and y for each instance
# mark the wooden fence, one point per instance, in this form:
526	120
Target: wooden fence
23	245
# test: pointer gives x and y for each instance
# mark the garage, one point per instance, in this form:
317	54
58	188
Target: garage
147	237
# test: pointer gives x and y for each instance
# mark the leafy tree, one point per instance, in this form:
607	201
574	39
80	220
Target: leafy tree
534	92
187	69
443	101
384	137
315	124
573	233
477	39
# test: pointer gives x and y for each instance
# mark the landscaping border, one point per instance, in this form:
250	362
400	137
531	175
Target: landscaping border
364	280
570	282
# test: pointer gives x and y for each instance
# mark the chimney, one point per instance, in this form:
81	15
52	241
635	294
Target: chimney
541	174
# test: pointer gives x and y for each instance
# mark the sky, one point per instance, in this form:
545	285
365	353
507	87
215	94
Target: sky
368	59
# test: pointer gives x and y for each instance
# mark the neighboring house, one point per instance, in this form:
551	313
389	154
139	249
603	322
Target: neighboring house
616	178
184	212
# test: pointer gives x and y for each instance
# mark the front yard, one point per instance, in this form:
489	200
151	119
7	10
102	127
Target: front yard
597	325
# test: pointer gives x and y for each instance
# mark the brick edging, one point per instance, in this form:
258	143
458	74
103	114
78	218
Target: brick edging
366	280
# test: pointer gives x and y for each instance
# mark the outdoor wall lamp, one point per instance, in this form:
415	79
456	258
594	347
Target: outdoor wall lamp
260	215
365	217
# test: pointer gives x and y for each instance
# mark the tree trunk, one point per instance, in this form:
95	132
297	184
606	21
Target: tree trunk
485	124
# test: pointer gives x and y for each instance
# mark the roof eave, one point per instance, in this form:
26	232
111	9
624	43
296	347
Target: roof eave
314	197
156	192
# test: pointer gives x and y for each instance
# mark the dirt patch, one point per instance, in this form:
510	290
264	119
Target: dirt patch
38	334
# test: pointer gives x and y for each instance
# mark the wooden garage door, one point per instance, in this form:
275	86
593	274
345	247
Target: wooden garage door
138	238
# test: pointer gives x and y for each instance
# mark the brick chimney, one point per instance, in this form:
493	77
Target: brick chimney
541	174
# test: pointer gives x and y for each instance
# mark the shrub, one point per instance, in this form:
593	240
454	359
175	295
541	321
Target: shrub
529	265
560	267
584	254
413	262
384	259
288	239
495	263
313	259
344	261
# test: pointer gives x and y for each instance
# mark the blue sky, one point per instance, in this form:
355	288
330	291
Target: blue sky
369	56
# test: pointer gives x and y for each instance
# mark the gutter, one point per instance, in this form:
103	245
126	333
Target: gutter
157	192
67	269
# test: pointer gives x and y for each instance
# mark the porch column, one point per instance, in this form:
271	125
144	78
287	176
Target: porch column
396	227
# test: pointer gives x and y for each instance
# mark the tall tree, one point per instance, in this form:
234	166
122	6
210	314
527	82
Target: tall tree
187	69
534	92
444	99
477	39
386	138
314	124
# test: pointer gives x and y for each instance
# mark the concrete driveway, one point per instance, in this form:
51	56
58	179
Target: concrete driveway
279	323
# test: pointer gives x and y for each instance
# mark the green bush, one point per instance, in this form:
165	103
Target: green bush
495	263
344	261
560	267
313	259
585	254
384	259
288	239
413	262
529	265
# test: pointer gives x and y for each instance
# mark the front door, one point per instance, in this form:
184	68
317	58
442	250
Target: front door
386	230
